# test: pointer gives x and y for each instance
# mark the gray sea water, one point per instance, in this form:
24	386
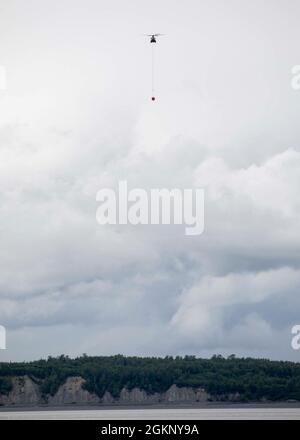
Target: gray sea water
158	414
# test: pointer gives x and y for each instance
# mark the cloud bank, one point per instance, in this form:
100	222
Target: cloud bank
77	118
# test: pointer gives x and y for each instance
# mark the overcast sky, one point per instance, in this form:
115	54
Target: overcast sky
77	117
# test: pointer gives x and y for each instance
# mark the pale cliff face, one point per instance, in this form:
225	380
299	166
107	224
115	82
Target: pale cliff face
72	392
26	392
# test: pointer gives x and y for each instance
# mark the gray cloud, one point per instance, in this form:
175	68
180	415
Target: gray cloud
77	117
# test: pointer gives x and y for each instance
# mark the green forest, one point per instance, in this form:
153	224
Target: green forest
253	379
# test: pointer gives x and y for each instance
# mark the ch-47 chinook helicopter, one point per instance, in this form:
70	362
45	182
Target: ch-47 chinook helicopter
153	38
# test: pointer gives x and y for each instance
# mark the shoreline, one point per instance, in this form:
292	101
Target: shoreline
131	407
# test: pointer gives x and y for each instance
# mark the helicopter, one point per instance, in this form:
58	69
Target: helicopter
153	38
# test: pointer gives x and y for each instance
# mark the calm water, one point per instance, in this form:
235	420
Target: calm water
158	414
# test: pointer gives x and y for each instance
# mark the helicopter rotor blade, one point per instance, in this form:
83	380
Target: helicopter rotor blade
153	35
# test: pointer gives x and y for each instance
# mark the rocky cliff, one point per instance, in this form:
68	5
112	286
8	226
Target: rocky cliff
26	392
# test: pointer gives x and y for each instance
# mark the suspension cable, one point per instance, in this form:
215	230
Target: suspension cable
153	69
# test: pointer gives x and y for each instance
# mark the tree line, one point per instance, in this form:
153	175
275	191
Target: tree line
252	379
